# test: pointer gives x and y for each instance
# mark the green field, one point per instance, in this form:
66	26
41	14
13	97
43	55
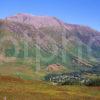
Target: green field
18	89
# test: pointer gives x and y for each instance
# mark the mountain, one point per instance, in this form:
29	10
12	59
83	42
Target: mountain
29	41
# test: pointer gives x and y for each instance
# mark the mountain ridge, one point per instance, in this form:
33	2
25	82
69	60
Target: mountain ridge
58	42
22	15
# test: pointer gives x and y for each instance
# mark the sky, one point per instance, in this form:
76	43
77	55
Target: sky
83	12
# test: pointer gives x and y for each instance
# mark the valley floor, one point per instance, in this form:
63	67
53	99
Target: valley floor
18	89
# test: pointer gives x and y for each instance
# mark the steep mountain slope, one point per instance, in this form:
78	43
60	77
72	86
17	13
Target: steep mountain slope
43	40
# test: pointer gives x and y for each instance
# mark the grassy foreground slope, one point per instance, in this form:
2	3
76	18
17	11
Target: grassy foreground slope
18	89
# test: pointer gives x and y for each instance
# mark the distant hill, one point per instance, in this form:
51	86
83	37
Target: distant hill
43	40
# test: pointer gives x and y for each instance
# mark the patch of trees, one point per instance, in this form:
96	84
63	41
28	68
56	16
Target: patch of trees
71	79
93	82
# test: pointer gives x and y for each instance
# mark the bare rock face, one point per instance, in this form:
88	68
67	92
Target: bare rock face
51	26
55	68
37	21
